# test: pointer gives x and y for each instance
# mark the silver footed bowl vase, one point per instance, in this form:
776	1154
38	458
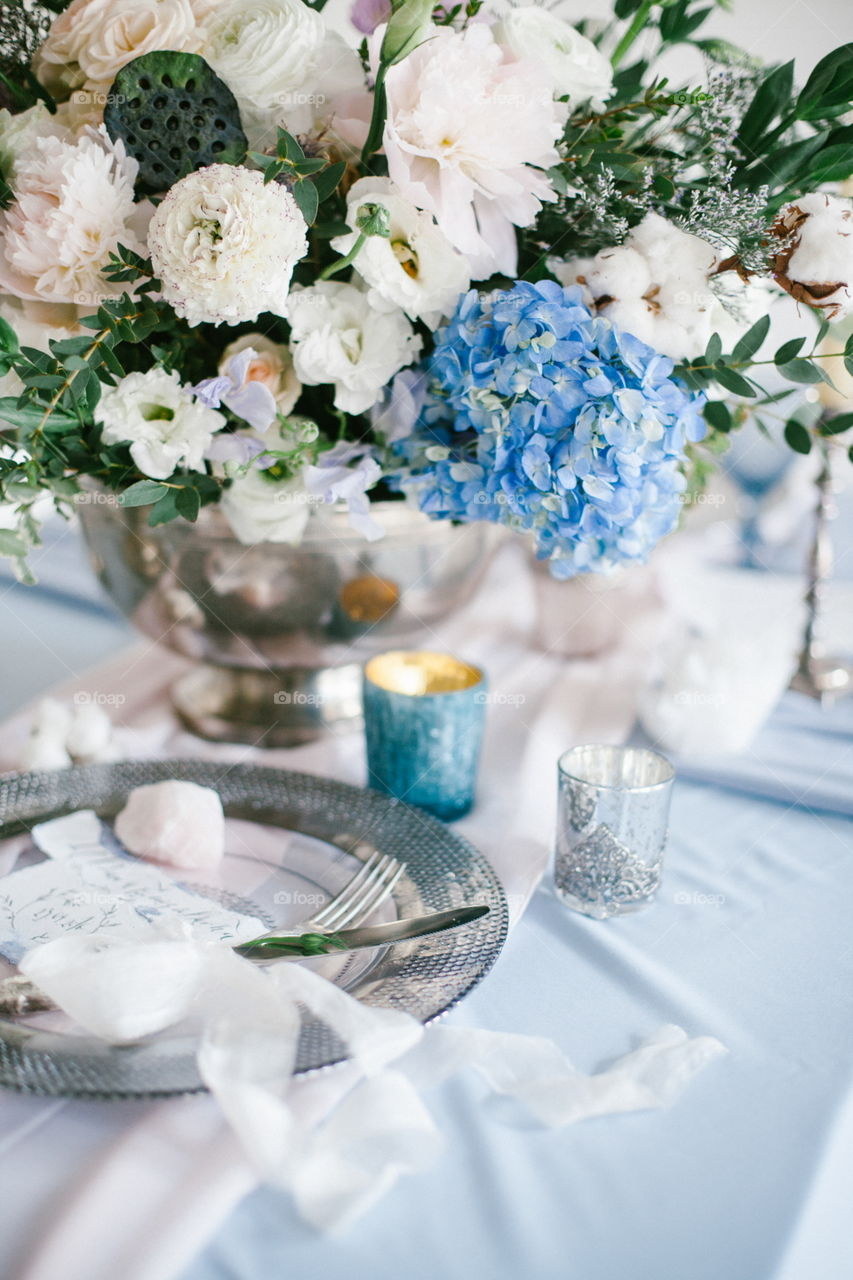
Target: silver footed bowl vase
279	633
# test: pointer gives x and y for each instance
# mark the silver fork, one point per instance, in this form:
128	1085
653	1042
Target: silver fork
369	887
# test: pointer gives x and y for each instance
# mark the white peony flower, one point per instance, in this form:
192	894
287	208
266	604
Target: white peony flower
271	365
572	63
337	336
92	40
74	205
165	426
468	134
655	286
816	263
224	244
416	268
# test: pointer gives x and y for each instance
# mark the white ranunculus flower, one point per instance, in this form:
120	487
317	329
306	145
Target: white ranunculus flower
73	207
337	336
165	426
224	244
260	509
416	267
92	40
271	365
264	49
310	98
572	63
468	134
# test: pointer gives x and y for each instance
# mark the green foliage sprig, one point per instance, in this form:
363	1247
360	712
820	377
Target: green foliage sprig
311	179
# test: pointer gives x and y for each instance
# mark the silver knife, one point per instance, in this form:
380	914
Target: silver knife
273	947
19	996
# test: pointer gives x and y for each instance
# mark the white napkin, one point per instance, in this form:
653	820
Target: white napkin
342	1150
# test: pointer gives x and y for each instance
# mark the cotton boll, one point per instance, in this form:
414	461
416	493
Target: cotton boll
176	822
619	273
51	718
670	251
89	736
45	750
636	318
817	267
654	286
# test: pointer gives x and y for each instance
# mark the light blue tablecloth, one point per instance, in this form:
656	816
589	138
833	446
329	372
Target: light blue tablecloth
748	1177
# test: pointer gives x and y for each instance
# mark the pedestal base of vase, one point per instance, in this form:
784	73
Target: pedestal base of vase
268	708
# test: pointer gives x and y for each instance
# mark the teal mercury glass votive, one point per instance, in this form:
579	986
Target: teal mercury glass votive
423	720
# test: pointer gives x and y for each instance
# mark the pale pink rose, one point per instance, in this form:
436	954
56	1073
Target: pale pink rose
468	134
272	366
92	40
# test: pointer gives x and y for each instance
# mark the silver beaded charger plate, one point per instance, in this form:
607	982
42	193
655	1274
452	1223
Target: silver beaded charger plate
311	834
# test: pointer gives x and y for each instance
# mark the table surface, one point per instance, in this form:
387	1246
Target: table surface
747	1177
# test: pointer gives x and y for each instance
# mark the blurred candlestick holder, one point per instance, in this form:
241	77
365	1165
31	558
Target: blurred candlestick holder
820	675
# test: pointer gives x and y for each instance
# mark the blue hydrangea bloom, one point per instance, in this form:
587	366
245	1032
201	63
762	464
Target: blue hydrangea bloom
542	416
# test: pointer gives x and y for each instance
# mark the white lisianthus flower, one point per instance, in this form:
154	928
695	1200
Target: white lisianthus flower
262	508
468	133
92	40
224	244
73	207
337	336
165	426
572	63
271	365
815	264
416	267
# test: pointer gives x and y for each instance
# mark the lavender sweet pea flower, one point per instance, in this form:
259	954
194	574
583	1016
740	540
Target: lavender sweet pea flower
335	479
367	15
398	411
251	401
238	446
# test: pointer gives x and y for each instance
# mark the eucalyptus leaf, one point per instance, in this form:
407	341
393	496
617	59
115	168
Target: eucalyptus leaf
788	350
797	436
836	425
747	346
801	371
733	381
142	493
718	415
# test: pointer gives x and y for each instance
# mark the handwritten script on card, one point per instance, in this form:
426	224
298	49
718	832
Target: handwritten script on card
88	886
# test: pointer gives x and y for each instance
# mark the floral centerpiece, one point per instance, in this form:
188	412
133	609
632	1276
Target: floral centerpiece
472	256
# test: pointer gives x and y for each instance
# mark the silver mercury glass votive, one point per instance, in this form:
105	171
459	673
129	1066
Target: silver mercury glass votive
613	813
